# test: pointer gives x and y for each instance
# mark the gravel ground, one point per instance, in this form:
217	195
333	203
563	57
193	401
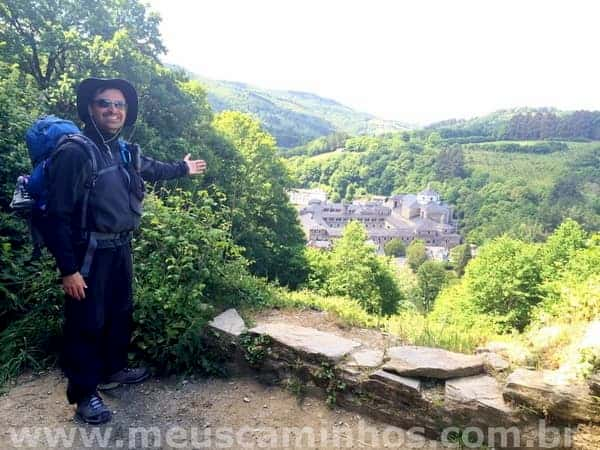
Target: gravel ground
189	413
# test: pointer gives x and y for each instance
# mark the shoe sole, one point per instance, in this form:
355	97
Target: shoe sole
134	381
109	386
104	418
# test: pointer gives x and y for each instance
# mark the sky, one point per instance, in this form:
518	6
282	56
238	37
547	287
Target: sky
416	61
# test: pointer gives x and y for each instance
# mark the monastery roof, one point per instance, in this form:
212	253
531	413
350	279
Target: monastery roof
431	207
429	192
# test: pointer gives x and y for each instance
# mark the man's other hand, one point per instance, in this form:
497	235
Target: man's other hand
74	286
195	166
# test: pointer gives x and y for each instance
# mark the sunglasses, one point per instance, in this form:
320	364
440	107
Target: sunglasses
104	103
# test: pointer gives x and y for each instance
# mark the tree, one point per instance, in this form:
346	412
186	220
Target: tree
561	246
357	272
264	222
505	280
49	38
450	163
395	247
431	277
460	256
416	254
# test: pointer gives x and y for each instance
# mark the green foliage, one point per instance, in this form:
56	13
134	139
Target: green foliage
256	348
49	39
431	277
19	106
460	256
318	146
572	295
326	376
30	306
444	329
522	124
187	268
505	281
561	246
589	361
264	222
526	147
416	254
450	163
354	270
347	309
394	247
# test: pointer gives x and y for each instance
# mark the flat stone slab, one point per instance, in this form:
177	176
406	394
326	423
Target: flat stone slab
397	383
308	340
552	392
482	394
410	383
366	358
228	322
494	362
413	361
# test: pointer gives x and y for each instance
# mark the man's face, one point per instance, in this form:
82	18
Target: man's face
109	110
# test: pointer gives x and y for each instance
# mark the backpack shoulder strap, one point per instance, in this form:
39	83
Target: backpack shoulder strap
91	148
87	144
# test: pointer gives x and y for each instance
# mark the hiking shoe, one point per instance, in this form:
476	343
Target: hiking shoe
129	376
21	198
92	410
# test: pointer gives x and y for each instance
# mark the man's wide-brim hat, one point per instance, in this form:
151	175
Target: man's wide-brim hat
88	87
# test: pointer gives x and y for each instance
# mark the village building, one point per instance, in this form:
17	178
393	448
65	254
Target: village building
407	217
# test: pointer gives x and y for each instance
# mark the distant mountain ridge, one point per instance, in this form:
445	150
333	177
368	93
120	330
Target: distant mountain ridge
522	124
294	117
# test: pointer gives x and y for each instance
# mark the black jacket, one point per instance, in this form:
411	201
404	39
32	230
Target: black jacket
114	204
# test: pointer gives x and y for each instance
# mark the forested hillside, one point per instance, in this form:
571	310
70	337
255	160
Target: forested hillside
293	117
522	124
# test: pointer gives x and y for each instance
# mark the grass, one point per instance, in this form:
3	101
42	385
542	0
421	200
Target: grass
410	326
538	172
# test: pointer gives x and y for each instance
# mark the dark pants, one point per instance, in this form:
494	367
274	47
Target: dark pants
97	329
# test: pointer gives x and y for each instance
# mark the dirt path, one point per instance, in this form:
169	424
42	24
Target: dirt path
188	413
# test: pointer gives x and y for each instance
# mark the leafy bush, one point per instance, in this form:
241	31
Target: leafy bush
572	296
186	268
353	269
431	277
505	281
416	254
395	247
30	311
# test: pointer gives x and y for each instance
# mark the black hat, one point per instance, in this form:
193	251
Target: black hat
89	86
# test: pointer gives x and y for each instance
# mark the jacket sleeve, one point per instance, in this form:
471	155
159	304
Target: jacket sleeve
152	170
67	176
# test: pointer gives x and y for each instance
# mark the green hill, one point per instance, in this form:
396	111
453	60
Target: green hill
521	124
292	117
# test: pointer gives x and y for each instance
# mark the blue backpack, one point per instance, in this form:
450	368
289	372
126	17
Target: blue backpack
45	138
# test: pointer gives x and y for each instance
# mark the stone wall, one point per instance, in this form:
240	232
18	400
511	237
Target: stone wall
406	386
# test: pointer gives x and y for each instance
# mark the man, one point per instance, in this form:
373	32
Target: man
92	212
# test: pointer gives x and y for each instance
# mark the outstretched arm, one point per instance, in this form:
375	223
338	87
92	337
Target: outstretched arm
152	170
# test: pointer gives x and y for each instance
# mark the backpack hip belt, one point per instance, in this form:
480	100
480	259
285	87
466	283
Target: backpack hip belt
97	240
